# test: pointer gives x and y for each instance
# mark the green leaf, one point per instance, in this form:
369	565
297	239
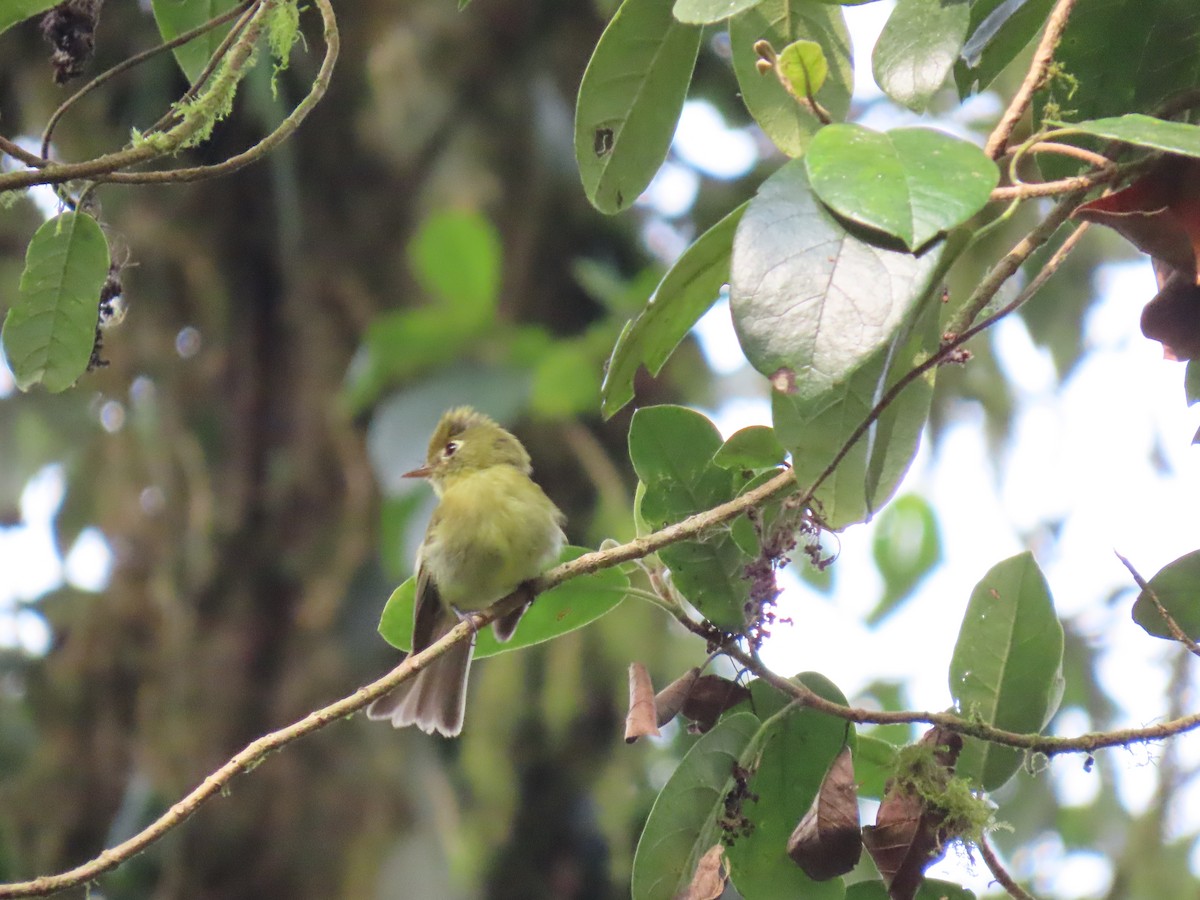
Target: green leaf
1191	382
814	430
455	256
999	31
174	17
795	756
812	302
1114	63
14	11
672	450
630	100
755	447
1007	665
911	183
707	12
683	821
566	381
906	546
49	332
1144	131
782	22
682	297
569	606
917	49
874	764
804	65
1177	587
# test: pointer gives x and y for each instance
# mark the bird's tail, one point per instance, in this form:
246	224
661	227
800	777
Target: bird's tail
436	699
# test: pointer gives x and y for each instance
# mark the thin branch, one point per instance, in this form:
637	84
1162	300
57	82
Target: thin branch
135	60
1003	878
1052	188
1172	626
16	151
997	141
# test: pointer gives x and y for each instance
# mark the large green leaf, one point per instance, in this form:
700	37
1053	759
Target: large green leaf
815	429
455	256
812	302
706	12
672	451
681	298
999	31
50	330
630	99
683	821
1145	131
783	22
918	47
569	606
1117	63
754	447
14	11
174	17
911	183
795	755
1177	587
1007	665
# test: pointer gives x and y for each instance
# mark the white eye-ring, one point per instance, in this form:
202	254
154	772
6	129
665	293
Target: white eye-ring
450	449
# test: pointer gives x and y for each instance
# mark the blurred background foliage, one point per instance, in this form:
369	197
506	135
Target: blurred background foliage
294	331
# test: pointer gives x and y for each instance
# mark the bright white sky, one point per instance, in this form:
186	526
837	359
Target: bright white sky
1080	453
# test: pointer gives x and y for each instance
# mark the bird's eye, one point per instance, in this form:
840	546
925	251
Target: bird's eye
450	449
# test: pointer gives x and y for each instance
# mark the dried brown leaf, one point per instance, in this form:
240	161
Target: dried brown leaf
710	696
827	842
669	701
709	881
640	720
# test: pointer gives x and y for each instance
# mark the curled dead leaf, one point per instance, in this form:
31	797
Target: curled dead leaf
827	842
640	720
708	883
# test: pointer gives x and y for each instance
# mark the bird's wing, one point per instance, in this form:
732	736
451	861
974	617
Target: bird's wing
426	611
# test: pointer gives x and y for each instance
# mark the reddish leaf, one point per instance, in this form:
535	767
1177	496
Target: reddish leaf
1173	317
640	719
1159	213
827	842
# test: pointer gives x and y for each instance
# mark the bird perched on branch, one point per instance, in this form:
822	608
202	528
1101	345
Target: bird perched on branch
492	530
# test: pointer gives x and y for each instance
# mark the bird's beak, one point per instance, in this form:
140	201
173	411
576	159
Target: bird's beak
423	472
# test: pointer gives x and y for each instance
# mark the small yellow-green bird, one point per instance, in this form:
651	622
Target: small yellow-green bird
493	529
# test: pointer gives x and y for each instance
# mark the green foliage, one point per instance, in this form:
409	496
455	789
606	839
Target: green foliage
911	183
918	48
630	99
672	451
682	297
804	65
175	17
1007	665
14	11
999	30
781	23
560	610
283	31
1177	589
707	12
684	822
1145	131
50	330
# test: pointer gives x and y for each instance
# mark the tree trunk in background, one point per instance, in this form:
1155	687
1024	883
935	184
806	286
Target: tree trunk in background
239	502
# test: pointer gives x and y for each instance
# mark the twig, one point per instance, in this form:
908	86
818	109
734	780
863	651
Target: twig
997	141
1051	188
135	60
1000	873
16	151
1172	626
